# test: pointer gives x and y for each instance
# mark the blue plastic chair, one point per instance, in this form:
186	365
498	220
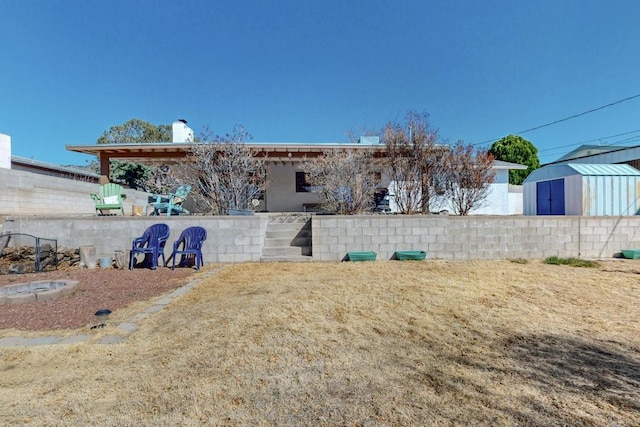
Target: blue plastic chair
191	240
151	244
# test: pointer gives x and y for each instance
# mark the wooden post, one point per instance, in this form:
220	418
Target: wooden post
104	169
88	257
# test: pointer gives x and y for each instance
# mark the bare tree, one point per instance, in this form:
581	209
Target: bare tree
343	179
162	179
224	173
415	163
469	175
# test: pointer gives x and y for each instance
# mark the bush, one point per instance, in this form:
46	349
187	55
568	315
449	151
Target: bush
573	262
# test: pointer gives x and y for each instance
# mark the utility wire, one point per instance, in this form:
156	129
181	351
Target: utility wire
619	143
581	114
592	140
563	120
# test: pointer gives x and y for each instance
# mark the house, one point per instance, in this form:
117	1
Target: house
602	154
9	161
587	151
52	169
287	191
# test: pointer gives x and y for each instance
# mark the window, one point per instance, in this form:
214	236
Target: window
302	186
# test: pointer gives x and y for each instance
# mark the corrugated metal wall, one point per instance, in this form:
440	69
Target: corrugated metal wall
594	196
589	190
610	195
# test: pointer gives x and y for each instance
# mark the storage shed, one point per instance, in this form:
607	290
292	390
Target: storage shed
582	189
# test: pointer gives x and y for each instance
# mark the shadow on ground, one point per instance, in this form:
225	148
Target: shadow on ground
555	380
593	370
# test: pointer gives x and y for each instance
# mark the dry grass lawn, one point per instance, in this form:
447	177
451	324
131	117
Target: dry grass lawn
378	343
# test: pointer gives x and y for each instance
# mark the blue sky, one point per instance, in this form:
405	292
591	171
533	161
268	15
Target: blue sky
312	71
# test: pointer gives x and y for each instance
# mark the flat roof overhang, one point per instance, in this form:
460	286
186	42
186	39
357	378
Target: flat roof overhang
176	151
133	151
274	152
171	152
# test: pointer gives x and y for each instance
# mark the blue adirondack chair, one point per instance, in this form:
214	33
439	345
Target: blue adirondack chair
172	202
151	244
111	196
189	247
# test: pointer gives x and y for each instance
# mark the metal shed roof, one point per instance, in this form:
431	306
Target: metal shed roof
584	169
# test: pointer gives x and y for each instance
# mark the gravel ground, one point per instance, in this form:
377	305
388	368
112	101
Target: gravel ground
98	288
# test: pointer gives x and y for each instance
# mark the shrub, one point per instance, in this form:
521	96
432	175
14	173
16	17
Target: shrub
573	262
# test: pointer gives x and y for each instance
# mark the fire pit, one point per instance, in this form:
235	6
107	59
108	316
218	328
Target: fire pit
42	290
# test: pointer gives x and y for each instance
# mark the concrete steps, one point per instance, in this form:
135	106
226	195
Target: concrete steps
288	238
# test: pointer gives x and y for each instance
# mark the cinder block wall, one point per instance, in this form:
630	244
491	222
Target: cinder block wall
27	193
229	238
474	237
241	238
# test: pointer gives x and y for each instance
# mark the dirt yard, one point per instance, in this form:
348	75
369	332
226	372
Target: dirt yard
98	288
493	343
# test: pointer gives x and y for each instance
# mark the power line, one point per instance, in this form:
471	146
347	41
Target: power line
592	140
564	119
581	114
617	144
614	149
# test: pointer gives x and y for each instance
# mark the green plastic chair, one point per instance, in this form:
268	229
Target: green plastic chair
172	202
111	196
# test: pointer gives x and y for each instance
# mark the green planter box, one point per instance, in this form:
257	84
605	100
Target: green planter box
631	253
410	255
361	256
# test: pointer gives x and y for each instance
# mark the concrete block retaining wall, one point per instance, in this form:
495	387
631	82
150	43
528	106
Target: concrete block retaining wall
229	238
474	237
241	238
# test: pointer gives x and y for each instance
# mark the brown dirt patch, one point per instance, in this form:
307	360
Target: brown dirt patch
98	288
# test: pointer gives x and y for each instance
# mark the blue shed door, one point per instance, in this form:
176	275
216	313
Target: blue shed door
550	197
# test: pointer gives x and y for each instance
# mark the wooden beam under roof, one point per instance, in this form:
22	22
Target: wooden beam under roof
170	152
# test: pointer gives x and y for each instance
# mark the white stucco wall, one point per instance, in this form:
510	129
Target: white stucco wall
498	202
5	151
281	193
516	203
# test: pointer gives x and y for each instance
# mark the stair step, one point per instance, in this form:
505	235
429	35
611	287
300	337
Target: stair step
299	258
284	234
288	226
287	239
281	250
298	241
